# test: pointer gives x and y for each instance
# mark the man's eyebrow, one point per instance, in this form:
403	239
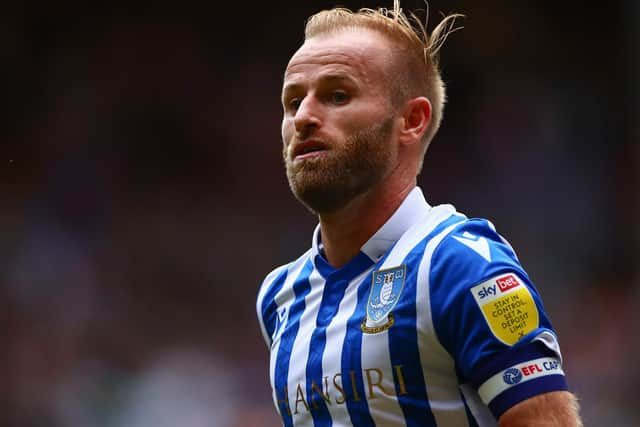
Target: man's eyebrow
326	78
331	77
291	87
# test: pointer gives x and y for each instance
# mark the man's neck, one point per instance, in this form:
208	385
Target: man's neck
345	231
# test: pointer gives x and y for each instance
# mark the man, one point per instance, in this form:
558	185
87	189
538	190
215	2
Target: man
400	313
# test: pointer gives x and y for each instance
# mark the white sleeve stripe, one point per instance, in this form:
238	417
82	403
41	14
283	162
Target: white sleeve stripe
261	293
518	374
550	341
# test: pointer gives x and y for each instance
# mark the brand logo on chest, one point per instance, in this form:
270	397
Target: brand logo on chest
281	320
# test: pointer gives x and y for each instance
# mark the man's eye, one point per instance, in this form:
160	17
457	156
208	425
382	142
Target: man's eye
294	104
339	97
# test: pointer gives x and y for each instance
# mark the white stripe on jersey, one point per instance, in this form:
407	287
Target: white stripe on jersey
375	352
285	294
263	290
336	332
442	385
478	409
443	389
301	346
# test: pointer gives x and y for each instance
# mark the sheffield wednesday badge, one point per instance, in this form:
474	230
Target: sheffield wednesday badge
386	287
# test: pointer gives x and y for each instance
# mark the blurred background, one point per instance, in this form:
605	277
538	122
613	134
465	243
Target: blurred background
143	199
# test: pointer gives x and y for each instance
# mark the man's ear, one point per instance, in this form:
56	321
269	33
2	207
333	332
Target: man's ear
416	117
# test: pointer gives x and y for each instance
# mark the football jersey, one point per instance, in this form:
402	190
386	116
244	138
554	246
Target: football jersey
433	323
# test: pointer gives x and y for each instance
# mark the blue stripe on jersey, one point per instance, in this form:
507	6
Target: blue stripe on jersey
403	343
301	289
348	271
271	322
404	353
331	296
352	358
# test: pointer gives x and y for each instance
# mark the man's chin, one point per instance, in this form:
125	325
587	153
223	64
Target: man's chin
318	165
321	199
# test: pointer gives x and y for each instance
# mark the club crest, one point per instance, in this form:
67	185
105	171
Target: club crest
386	287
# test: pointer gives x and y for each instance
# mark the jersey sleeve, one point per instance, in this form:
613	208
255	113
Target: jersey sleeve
266	306
489	316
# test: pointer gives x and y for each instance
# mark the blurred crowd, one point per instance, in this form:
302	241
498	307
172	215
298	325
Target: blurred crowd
143	197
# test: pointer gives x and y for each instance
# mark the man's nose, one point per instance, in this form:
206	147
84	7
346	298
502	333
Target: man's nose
308	115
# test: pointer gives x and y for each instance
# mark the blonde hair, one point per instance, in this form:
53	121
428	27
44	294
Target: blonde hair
420	51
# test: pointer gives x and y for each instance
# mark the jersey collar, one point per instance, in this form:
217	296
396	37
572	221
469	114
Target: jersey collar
408	213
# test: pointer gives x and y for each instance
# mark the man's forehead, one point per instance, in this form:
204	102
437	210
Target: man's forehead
349	49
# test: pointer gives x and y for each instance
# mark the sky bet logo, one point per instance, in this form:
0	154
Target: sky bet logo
507	282
502	284
487	291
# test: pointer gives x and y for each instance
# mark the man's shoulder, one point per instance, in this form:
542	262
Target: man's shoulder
435	222
475	240
280	273
451	243
272	286
444	228
469	253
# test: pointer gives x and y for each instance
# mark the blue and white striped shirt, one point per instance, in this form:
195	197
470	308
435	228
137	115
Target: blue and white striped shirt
433	323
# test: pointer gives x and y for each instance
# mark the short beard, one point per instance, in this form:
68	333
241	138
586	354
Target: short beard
330	182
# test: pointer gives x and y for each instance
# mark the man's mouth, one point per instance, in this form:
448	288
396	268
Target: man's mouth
308	149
